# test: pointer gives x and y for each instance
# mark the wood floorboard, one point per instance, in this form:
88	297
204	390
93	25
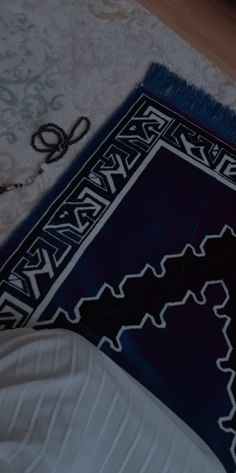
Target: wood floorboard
209	25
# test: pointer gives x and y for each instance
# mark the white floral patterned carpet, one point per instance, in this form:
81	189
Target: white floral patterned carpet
64	58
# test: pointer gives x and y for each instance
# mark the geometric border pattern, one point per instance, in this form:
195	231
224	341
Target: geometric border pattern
37	267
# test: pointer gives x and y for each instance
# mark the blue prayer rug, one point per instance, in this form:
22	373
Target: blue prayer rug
135	249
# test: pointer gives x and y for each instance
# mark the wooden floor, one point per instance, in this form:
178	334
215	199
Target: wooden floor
209	25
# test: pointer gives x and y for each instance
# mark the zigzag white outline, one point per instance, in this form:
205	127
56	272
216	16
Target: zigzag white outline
163	323
55	316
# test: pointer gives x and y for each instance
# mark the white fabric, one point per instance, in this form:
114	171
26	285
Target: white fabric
66	407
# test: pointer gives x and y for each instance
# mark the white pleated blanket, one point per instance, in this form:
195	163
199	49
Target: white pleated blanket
66	407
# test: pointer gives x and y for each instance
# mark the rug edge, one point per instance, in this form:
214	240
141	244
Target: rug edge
192	101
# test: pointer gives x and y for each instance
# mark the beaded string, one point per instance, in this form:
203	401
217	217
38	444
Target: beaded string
55	151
